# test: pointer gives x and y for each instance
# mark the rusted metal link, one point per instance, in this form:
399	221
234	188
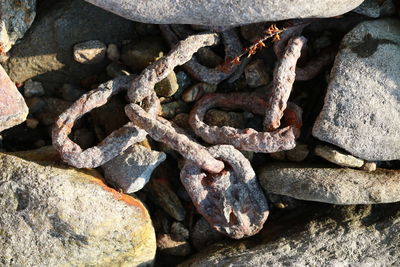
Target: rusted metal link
232	45
284	77
167	134
111	146
243	139
181	53
231	201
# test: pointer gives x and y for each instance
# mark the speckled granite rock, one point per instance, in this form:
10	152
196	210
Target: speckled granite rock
319	236
361	113
15	19
325	183
13	109
57	216
223	12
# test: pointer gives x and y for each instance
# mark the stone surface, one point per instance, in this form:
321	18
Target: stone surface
297	154
196	91
361	113
324	183
170	245
168	86
204	235
58	216
15	19
45	52
320	236
340	158
256	73
113	53
132	169
13	109
32	88
90	52
376	8
223	12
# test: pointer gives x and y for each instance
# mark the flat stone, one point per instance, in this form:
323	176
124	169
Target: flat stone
223	12
168	86
32	88
13	109
132	169
340	158
57	216
321	235
90	52
256	73
361	113
324	183
16	18
45	52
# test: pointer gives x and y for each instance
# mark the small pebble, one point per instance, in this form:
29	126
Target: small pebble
33	88
340	158
169	110
168	86
182	120
215	117
207	57
256	73
35	104
184	82
179	230
204	235
280	155
90	52
113	52
369	166
196	91
171	246
32	123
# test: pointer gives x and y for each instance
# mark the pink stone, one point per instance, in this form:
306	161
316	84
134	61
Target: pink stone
13	109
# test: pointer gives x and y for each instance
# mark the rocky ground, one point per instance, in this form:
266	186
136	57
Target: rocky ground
333	199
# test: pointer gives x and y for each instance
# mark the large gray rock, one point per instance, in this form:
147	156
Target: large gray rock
341	236
58	216
45	53
132	169
325	183
13	109
15	19
223	12
361	113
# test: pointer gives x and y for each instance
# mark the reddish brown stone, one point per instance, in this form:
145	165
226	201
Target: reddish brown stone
13	109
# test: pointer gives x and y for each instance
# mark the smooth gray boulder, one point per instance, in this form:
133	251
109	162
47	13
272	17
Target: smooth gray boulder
339	237
57	216
361	113
15	19
223	12
325	183
132	169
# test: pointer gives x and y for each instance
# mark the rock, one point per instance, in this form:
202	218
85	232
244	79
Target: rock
13	109
35	104
32	88
168	86
335	236
16	18
195	92
215	117
173	246
54	216
32	123
90	52
324	183
132	169
376	8
45	52
369	166
184	82
361	113
139	54
299	153
340	158
113	52
252	32
169	110
179	230
207	57
256	73
204	235
161	193
224	12
52	109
